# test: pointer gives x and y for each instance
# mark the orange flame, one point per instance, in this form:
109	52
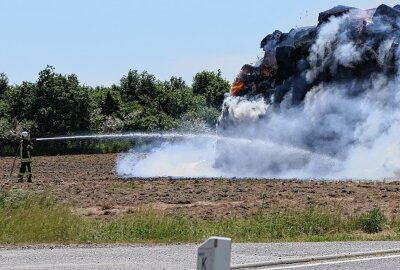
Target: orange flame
237	86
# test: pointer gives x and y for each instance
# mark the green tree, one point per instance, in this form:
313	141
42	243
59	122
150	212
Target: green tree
148	89
4	106
138	87
212	86
59	104
129	86
143	97
175	83
20	101
200	111
178	102
110	104
3	84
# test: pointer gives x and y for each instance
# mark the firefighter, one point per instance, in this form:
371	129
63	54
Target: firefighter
25	155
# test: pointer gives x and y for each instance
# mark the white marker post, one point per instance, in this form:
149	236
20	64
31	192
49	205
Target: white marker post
214	254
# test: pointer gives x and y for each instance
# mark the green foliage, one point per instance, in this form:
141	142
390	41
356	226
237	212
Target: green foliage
130	85
176	102
3	84
68	95
17	199
202	111
58	104
20	101
82	147
111	104
290	225
212	86
149	226
28	217
372	221
135	86
175	83
31	217
4	109
10	134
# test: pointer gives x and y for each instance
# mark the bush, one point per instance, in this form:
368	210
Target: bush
372	221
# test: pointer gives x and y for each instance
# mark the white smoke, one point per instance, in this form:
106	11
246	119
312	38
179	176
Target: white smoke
347	54
384	49
190	158
343	129
356	122
323	46
243	109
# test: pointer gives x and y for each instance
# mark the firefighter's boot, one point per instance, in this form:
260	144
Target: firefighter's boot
30	178
19	180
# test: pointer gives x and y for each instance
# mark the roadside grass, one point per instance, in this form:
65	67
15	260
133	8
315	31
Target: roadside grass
33	218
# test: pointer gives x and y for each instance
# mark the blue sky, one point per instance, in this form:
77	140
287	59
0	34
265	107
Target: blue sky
101	40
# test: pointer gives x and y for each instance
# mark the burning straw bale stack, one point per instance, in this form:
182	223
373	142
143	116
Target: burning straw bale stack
291	65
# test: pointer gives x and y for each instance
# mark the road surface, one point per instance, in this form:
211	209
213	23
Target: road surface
184	256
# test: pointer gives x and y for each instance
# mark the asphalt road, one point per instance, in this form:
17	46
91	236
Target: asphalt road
383	262
184	256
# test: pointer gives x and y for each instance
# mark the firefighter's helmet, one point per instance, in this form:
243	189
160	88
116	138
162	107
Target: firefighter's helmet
24	134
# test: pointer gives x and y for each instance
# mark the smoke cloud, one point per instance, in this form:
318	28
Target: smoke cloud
189	158
345	123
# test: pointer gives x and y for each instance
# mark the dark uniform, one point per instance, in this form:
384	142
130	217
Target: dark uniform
26	159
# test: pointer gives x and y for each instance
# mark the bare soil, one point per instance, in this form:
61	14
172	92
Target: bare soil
89	185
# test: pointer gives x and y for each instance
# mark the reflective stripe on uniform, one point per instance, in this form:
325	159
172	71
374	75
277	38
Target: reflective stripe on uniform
27	157
25	169
25	173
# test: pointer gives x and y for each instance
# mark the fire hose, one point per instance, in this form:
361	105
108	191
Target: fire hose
15	157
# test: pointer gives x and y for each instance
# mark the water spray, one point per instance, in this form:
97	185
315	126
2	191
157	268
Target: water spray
134	135
176	135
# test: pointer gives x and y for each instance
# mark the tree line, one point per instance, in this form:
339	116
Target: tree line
58	104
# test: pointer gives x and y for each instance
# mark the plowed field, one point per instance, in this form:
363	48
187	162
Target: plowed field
89	185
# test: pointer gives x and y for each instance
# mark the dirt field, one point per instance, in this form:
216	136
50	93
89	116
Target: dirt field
88	184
